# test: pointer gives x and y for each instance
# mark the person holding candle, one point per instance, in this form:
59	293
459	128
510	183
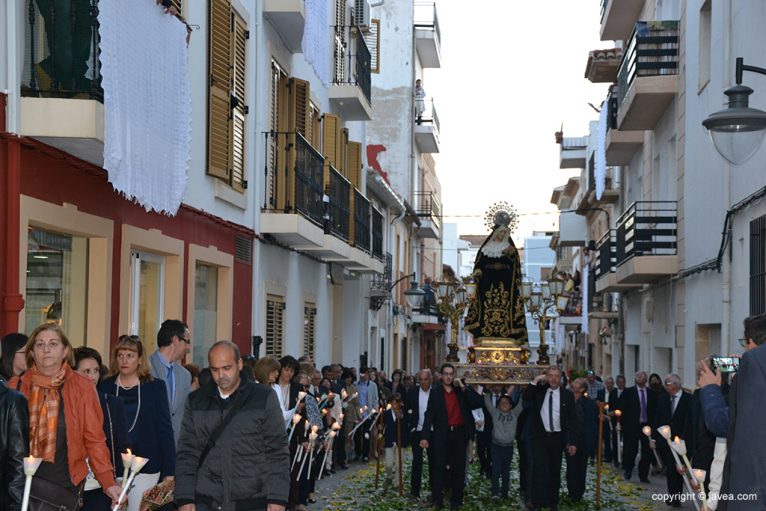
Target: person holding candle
145	399
638	405
14	445
351	414
266	370
87	362
396	436
247	466
310	413
673	409
287	392
416	403
585	441
65	420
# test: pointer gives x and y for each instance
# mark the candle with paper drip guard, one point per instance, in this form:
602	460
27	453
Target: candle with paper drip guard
135	467
296	420
679	446
699	475
618	416
647	430
127	461
664	431
31	464
328	449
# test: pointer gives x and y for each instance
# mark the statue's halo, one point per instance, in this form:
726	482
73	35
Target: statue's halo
501	213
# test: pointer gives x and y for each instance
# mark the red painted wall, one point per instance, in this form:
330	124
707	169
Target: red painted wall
56	177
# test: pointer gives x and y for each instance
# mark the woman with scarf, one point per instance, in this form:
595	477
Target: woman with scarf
65	421
147	411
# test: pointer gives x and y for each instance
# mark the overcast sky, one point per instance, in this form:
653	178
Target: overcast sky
512	72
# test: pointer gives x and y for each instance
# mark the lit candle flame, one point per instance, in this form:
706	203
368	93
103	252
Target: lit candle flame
647	430
296	418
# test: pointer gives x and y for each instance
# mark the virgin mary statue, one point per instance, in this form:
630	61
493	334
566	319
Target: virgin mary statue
497	310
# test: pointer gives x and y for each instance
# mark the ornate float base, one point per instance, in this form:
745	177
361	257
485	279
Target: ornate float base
499	361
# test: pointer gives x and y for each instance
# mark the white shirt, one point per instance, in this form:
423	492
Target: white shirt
422	405
674	402
478	418
283	393
556	396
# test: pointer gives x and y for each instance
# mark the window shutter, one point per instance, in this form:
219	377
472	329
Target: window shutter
300	107
342	153
330	137
355	164
758	266
274	325
309	313
339	42
239	46
372	38
178	4
219	112
316	128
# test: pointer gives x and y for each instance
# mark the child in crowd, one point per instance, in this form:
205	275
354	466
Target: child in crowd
396	435
504	419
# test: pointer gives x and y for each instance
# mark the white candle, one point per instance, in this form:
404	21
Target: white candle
31	464
135	467
329	448
296	420
127	461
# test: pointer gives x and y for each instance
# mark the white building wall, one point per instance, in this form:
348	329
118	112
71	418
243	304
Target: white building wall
538	256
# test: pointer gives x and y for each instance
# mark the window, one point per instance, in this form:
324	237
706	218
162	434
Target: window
758	266
147	274
705	27
227	101
57	282
275	306
205	325
372	38
309	313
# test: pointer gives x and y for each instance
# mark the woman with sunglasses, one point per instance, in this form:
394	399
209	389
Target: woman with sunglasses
150	431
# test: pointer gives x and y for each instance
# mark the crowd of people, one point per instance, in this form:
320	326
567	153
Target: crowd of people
247	433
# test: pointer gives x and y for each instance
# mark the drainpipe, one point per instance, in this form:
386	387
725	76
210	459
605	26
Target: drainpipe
726	345
12	301
12	68
257	306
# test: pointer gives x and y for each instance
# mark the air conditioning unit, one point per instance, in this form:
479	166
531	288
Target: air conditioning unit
362	14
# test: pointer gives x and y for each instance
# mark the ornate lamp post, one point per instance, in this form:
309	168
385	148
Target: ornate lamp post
544	300
453	299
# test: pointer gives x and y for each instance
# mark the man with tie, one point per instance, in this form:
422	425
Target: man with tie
607	433
613	399
673	409
553	427
173	343
415	411
638	405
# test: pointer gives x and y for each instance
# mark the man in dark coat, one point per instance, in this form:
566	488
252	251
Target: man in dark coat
674	409
415	406
614	402
638	405
587	417
247	466
553	427
447	426
14	445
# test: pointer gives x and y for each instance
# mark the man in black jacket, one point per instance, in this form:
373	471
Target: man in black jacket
447	426
553	427
638	405
247	465
674	409
14	444
415	409
614	401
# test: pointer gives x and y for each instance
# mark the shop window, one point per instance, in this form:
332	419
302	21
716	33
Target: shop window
57	282
205	326
147	273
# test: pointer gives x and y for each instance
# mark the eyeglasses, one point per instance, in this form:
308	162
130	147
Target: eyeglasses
187	341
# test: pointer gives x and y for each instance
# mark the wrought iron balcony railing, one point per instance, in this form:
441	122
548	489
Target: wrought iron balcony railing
425	112
651	51
647	228
61	50
352	60
361	221
607	254
339	207
294	176
377	234
427	206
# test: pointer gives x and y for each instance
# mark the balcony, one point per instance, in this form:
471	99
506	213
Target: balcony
427	35
646	242
362	258
573	230
360	228
351	90
426	126
61	95
618	18
647	80
377	234
288	18
621	145
572	152
572	313
339	192
429	212
606	265
293	206
602	65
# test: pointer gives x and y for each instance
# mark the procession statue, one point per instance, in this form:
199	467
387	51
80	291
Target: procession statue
495	316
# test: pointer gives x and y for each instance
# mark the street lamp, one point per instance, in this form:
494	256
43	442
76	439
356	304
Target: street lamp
454	298
738	131
544	300
414	295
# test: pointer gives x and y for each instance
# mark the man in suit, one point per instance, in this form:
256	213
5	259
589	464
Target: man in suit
674	409
173	342
607	432
447	426
638	405
415	410
613	400
553	427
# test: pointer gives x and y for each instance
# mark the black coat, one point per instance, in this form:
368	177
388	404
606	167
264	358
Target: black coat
680	422
630	404
115	429
14	445
249	464
587	415
435	423
615	403
412	413
570	427
704	440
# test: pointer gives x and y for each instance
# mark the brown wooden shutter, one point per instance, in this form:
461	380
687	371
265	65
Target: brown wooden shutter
355	164
274	325
219	127
309	313
342	152
330	137
299	106
239	68
316	129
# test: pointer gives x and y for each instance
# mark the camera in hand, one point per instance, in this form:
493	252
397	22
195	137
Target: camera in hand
724	364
